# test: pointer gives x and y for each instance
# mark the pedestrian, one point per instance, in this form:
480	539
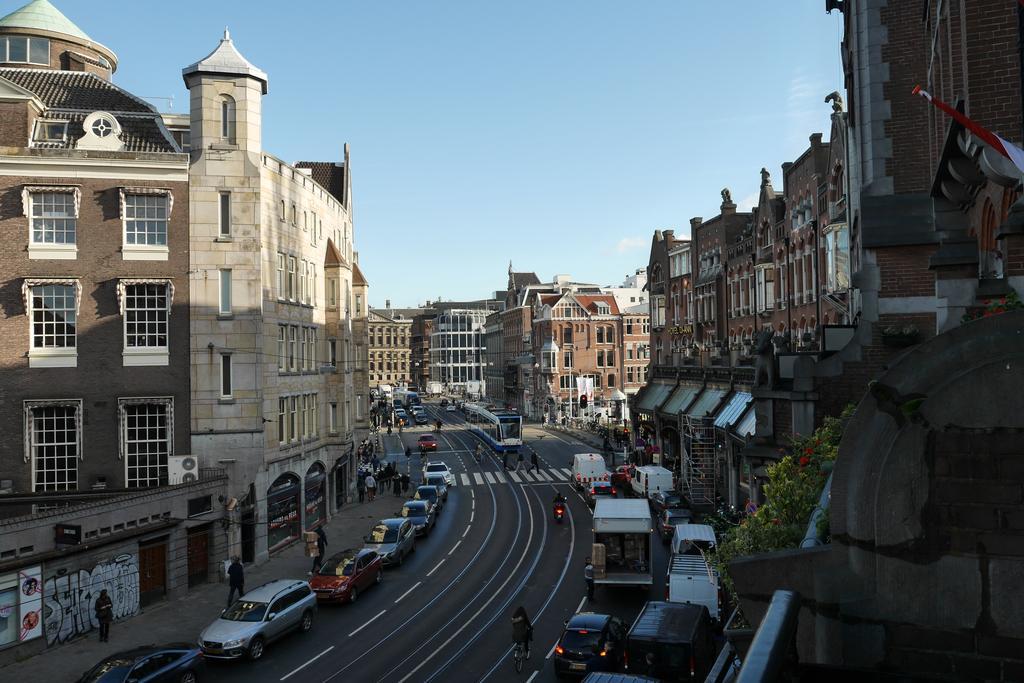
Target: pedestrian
408	452
375	462
236	579
534	460
361	487
588	576
371	487
519	461
504	460
396	485
104	614
405	482
321	548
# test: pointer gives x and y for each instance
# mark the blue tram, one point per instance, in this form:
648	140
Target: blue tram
501	429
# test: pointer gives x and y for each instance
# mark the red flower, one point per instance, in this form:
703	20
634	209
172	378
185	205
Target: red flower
809	451
1003	300
777	521
805	461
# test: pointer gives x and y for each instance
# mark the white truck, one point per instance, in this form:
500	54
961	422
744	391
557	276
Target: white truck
650	479
692	580
434	388
588	468
622	543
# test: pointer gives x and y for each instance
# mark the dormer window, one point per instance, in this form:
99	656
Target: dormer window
25	50
50	131
227	118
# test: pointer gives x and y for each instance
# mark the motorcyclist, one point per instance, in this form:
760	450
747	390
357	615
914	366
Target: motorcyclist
478	452
559	499
522	629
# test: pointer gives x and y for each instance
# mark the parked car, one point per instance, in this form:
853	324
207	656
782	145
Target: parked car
427	442
431	494
450	408
421	513
662	500
438	467
343	576
420	418
178	662
621	476
599	489
671	642
263	615
393	539
590	642
437	480
417	408
668	519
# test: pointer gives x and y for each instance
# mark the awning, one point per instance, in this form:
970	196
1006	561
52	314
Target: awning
732	411
681	398
745	426
707	402
654	395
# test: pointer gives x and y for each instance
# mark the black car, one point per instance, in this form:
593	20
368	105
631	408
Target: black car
430	493
590	642
664	500
669	518
420	418
178	662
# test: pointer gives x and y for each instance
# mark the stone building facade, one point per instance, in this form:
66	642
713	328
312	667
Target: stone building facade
390	338
272	338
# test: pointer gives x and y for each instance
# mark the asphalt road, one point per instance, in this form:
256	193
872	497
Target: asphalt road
444	614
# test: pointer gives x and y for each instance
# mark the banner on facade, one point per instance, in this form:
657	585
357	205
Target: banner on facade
585	387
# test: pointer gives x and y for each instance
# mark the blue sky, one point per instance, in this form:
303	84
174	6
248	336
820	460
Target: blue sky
559	135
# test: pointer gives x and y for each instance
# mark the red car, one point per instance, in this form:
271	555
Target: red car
343	576
427	442
622	475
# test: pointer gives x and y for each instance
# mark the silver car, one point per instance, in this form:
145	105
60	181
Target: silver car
261	616
393	539
438	480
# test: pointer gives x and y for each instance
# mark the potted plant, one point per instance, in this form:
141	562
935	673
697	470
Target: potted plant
900	337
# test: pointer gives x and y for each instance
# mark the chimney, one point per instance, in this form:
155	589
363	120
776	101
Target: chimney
695	223
728	207
815	139
669	235
387	303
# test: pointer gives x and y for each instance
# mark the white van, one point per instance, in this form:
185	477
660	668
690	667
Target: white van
587	468
688	538
650	479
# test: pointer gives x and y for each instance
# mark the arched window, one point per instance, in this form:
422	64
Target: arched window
227	118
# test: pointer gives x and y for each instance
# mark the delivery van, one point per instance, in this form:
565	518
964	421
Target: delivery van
588	468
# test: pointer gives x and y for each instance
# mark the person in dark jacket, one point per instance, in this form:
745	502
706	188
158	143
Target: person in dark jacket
534	460
361	487
321	547
522	629
405	482
236	579
396	485
104	614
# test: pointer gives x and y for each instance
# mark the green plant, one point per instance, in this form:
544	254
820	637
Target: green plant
792	492
990	307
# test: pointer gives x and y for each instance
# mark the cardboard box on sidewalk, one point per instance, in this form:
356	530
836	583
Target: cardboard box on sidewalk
309	536
312	550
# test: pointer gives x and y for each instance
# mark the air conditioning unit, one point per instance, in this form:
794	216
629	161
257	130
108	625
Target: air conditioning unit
182	469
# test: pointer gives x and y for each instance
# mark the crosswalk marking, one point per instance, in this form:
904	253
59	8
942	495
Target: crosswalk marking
489	477
566	471
465	479
526	476
541	474
515	477
500	477
556	475
479	480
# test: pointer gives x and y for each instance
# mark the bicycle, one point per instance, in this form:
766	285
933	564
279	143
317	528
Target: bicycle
519	656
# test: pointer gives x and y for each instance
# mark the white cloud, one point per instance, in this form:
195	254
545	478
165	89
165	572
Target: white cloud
630	243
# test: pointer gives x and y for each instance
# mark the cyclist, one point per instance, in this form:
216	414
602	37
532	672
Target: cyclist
522	629
477	453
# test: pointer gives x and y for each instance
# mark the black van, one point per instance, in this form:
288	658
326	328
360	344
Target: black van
671	641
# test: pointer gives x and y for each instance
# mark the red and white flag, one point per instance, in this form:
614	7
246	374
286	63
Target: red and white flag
1007	149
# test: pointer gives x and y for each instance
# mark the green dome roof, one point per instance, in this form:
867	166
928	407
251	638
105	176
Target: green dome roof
42	15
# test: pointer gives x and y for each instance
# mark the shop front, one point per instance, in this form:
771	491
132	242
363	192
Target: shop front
283	503
21	606
316	496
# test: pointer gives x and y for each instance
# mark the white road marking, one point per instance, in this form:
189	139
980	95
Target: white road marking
552	650
515	477
489	477
582	600
436	567
532	677
566	471
479	480
472	513
415	586
526	476
465	479
541	474
289	675
379	615
466	531
454	547
500	477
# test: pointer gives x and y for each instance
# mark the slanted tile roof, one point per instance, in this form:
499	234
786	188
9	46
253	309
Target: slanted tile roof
523	279
329	175
590	301
357	275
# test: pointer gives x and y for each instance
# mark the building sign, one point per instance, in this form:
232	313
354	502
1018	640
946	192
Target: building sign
68	534
681	330
21	606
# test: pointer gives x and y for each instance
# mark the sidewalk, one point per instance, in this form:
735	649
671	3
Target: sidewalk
590	439
182	619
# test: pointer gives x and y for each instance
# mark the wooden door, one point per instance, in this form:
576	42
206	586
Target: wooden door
152	573
198	555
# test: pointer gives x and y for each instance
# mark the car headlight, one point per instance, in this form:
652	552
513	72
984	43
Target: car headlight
228	644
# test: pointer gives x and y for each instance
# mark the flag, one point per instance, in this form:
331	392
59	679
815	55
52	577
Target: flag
1007	149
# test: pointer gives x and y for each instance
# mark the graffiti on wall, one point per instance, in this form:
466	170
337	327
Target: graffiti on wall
68	598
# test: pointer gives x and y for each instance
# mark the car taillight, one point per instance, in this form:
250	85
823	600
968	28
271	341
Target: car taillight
604	653
693	666
559	649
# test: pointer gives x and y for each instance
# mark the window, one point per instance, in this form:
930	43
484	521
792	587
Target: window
567	359
600	335
284	211
227	118
54	222
609	335
225	291
312	355
565	382
293	403
293	338
54	436
146	312
225	214
302	348
303	413
332	417
282	413
291	278
225	375
332	294
610	358
332	350
145	441
312	283
611	381
294	211
314	417
359	303
280	276
50	131
765	289
24	49
53	313
600	356
282	341
145	224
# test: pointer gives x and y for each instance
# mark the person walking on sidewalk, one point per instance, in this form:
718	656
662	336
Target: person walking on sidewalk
361	487
236	579
408	451
371	487
588	576
405	482
321	549
396	485
534	461
104	614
